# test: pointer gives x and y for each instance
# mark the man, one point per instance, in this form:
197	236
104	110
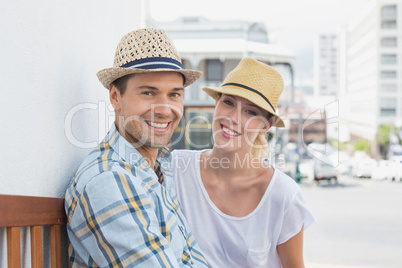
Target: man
121	206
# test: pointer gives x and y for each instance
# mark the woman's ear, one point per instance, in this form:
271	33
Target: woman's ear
268	124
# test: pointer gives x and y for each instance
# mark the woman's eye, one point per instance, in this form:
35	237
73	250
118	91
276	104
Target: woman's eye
250	112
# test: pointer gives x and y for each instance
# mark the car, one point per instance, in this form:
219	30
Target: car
325	163
395	169
383	171
363	168
325	170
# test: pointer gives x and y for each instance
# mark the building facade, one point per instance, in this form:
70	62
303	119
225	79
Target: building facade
325	65
370	86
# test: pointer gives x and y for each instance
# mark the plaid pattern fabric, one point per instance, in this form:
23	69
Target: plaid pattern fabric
119	215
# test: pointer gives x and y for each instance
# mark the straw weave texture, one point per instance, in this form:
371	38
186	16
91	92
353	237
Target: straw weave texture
147	43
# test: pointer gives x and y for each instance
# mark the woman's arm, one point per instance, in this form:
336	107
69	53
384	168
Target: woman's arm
291	252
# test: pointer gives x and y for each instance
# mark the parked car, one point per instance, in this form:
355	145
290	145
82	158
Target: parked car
395	168
382	171
324	170
363	168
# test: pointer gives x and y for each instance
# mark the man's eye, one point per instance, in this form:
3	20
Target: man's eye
147	93
175	95
228	102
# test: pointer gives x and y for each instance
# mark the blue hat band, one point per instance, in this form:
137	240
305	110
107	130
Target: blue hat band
154	63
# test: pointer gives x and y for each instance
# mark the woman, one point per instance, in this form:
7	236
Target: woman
242	211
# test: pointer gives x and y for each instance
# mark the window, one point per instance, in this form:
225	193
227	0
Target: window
388	107
214	70
388	74
199	128
389	42
388	24
388	12
388	58
388	88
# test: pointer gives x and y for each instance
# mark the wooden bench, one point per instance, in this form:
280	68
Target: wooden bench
35	212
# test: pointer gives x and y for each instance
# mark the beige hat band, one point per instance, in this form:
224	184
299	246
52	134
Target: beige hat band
252	90
154	63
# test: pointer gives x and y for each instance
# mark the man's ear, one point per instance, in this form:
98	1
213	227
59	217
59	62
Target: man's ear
115	97
217	98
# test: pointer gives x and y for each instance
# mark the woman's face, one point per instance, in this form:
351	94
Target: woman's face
237	122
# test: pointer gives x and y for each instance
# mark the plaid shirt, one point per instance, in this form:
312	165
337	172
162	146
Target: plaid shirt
119	215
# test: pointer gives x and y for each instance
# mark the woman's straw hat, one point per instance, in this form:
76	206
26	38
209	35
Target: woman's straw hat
143	51
256	82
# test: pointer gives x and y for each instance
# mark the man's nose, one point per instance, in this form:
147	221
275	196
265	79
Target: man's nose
162	108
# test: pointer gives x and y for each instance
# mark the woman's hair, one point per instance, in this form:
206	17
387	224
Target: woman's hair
260	146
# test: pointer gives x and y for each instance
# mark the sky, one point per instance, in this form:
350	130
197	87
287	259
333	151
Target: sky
290	23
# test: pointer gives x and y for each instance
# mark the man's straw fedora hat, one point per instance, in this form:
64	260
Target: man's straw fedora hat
256	82
143	51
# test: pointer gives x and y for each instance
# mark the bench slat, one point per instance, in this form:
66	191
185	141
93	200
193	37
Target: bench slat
36	247
55	245
13	247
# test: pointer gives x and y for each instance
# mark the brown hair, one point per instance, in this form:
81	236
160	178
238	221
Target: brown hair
121	83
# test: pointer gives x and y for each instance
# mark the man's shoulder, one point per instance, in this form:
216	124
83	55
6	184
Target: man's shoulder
100	162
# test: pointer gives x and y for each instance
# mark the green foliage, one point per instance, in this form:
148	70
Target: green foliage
362	145
270	136
338	145
383	135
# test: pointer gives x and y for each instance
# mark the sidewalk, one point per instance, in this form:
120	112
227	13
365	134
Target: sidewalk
321	265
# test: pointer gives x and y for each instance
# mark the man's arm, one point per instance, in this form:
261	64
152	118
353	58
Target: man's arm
115	222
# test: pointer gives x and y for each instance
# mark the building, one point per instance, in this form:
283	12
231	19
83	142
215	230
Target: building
216	47
370	88
325	65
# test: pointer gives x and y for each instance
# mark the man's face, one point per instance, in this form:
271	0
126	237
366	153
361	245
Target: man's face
150	109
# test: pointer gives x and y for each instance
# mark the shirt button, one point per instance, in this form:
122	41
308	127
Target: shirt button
191	262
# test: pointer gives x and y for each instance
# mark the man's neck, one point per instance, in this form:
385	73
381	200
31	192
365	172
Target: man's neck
150	154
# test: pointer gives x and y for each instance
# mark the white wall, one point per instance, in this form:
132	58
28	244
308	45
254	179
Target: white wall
50	53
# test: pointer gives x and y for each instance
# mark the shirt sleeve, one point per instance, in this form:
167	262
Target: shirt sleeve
297	215
115	224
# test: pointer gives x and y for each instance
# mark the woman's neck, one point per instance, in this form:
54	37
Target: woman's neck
231	164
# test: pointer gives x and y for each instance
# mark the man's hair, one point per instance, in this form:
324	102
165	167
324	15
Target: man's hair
121	83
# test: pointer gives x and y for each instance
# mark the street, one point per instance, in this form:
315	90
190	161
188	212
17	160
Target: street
359	224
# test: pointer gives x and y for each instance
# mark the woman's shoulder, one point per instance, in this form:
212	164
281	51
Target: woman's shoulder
284	183
180	152
186	153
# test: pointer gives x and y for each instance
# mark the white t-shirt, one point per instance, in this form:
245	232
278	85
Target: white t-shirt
248	241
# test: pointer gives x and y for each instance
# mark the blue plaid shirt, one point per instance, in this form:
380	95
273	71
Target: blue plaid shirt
119	215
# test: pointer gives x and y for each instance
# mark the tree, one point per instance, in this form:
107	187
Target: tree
362	145
383	135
